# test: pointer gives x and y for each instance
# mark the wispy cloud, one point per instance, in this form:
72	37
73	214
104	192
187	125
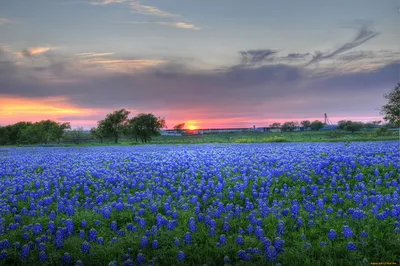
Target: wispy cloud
139	8
4	21
364	34
254	57
86	55
107	2
150	10
173	20
179	25
35	51
121	65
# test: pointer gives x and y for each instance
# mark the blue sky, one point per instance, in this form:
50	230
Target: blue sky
238	55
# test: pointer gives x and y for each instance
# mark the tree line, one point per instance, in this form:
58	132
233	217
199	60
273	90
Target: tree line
114	126
347	125
292	125
117	124
44	132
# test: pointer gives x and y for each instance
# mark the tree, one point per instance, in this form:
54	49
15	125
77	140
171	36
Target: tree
316	125
3	139
275	125
75	135
342	124
57	130
353	126
98	133
370	125
13	132
179	127
391	110
114	124
144	126
306	123
349	125
47	128
289	126
31	134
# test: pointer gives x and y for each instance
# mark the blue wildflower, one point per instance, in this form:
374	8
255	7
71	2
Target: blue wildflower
144	242
85	248
141	259
332	234
240	240
181	256
155	244
25	252
188	238
351	246
66	258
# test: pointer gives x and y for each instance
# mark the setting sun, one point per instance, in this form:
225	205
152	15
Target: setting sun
192	127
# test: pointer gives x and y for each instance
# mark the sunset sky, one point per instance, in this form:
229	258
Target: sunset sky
208	63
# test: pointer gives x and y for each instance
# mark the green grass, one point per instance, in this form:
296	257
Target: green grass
247	137
260	137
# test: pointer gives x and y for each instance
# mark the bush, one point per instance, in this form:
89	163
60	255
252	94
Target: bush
382	131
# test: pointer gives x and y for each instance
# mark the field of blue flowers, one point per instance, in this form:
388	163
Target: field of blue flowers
243	204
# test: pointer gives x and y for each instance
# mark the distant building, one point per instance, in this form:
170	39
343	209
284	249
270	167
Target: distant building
274	130
167	132
330	127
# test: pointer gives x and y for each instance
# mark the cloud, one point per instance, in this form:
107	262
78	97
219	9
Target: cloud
254	57
177	91
35	51
107	2
124	65
4	21
173	20
364	34
172	84
150	10
179	25
139	8
297	56
86	55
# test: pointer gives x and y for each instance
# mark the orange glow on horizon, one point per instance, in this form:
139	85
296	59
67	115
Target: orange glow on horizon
191	125
60	109
14	109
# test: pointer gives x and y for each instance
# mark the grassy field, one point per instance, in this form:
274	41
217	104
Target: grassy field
254	137
246	137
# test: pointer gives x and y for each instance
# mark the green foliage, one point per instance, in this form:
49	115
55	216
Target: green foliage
275	125
114	125
289	126
179	127
144	126
58	130
75	136
350	125
316	125
391	110
43	132
305	123
382	131
98	132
